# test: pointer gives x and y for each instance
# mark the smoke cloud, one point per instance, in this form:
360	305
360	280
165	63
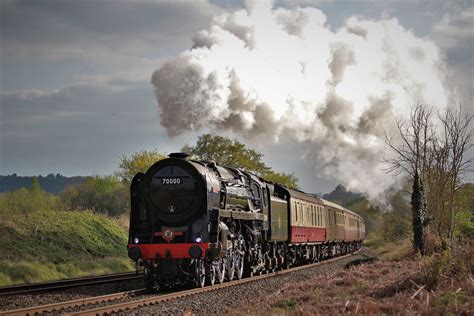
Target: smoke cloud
273	71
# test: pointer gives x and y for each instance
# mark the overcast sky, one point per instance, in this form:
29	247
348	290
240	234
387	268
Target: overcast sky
75	76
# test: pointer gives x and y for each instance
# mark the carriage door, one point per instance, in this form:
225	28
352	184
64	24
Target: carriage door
330	224
358	229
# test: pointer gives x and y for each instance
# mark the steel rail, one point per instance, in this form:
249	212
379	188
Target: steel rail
117	308
67	283
72	303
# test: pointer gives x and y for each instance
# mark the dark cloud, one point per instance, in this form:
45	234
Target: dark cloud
49	25
454	32
79	129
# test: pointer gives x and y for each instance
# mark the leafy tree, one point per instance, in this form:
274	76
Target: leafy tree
341	196
369	212
232	153
101	194
464	204
138	162
227	152
27	201
35	185
288	179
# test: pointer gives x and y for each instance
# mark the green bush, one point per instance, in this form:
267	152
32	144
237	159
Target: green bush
465	224
26	201
101	194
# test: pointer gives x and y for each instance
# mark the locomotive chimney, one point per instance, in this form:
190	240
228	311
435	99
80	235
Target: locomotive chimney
178	155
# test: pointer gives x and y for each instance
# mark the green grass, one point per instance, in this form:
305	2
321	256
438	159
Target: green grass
394	250
30	272
46	245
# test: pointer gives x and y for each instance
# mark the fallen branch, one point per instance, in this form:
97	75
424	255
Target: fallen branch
345	306
416	293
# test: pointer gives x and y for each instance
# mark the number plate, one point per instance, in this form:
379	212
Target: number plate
170	181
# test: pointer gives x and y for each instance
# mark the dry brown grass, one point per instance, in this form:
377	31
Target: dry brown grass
436	285
124	221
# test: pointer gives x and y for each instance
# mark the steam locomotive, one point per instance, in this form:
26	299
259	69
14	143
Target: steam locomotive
197	223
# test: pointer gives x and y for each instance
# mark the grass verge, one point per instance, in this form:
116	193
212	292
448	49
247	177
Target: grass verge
47	245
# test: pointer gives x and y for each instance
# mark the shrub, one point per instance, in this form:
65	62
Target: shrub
26	201
465	225
101	194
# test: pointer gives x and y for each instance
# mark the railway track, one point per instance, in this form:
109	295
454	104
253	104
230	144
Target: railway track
68	283
49	308
152	300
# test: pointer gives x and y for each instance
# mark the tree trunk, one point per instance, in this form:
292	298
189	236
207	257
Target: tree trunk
418	204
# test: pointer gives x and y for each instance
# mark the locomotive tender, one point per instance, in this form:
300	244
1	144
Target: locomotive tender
197	223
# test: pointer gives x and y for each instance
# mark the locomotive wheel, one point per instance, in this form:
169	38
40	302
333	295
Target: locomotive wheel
239	265
287	263
266	265
200	273
211	273
252	273
220	265
230	266
149	280
239	257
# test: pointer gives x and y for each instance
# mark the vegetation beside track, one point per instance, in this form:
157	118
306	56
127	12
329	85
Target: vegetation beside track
399	283
47	244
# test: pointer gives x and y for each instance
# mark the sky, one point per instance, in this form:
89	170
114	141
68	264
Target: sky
76	77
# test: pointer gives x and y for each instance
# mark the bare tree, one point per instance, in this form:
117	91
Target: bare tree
413	156
457	140
437	153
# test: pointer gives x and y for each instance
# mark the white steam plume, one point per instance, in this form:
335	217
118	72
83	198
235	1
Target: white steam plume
266	71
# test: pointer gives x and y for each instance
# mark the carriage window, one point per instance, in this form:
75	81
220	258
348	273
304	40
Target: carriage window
300	217
306	208
296	212
307	214
302	213
316	219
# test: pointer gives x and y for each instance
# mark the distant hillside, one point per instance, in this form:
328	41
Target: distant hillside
52	183
341	196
